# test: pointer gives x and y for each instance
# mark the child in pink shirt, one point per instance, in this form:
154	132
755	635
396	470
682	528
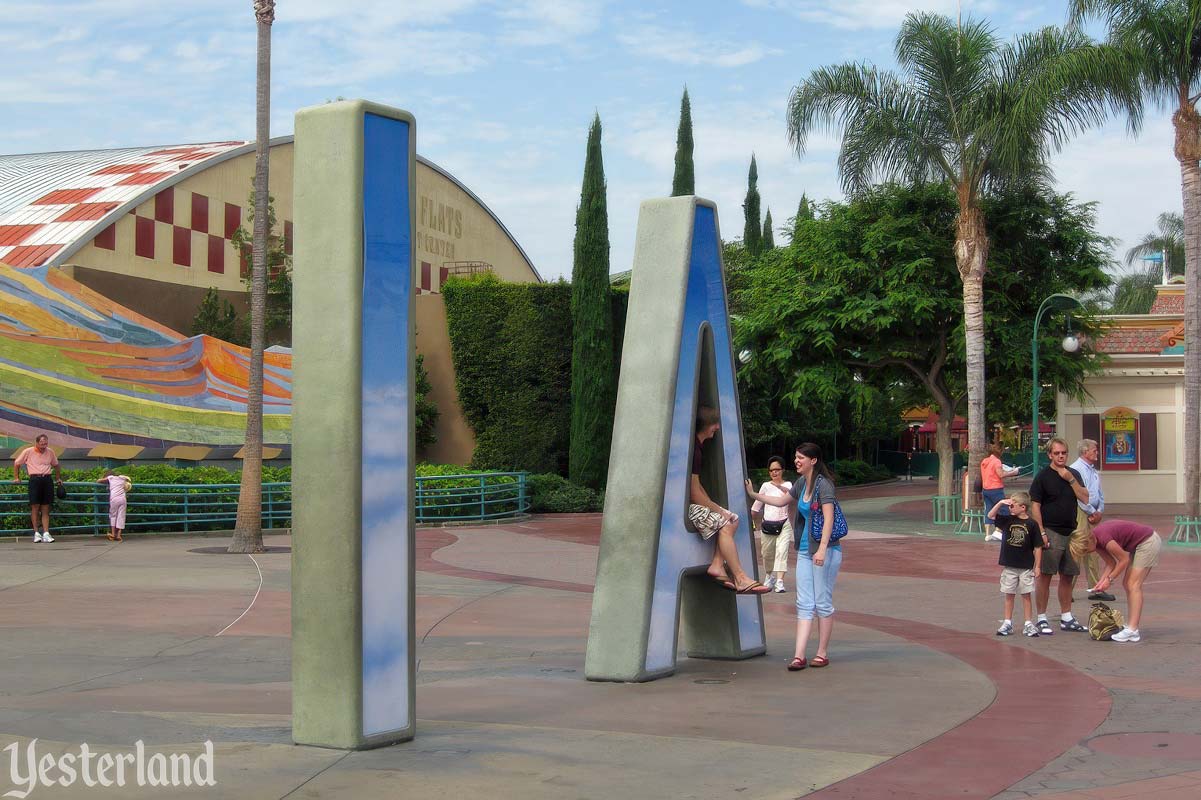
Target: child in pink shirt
118	485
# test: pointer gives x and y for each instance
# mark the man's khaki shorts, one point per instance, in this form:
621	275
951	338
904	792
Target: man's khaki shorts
1056	558
1146	555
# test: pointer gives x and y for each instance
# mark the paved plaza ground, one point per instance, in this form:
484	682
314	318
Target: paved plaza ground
110	644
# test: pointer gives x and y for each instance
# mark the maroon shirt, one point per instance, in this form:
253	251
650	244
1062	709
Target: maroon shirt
1127	534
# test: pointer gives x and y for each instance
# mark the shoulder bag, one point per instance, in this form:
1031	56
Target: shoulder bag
817	520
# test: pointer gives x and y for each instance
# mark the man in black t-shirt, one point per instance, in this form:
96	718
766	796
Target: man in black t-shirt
1054	493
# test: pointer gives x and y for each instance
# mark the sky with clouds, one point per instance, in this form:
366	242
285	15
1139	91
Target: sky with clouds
504	92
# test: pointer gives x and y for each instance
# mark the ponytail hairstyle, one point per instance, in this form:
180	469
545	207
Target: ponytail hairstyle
810	450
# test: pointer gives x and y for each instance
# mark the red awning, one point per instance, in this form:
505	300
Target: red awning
931	424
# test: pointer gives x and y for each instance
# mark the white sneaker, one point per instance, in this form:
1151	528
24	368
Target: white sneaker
1029	629
37	537
770	581
780	587
1126	635
1006	629
993	537
47	538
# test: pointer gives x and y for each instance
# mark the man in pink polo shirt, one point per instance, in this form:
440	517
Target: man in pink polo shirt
1130	548
39	461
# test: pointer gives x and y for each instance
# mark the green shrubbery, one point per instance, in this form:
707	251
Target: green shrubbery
511	348
554	494
848	472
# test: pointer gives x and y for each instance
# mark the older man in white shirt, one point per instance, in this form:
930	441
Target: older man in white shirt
1090	513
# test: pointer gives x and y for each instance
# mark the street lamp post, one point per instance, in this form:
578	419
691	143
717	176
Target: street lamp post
1055	302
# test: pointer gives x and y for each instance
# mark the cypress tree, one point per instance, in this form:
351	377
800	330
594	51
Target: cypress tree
752	232
684	180
804	211
769	236
592	391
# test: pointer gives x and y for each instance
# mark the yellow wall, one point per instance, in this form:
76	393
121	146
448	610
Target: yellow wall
1147	385
451	227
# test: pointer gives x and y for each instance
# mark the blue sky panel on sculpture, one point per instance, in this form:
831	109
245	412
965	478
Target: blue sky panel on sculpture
386	427
505	92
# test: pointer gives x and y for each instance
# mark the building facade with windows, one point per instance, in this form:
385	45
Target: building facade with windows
152	229
1134	407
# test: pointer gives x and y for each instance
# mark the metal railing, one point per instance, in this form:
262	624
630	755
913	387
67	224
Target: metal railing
167	507
161	507
488	495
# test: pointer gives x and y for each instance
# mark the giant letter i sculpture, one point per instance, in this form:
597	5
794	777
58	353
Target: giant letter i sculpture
353	548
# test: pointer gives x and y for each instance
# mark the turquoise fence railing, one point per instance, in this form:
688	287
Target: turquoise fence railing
159	507
488	495
174	507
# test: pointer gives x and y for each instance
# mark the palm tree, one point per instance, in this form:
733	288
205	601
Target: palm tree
248	530
1168	240
1164	36
1134	292
969	110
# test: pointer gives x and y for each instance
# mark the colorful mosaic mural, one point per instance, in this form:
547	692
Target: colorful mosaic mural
90	372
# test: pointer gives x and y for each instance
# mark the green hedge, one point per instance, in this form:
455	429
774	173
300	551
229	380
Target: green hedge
511	349
847	472
554	494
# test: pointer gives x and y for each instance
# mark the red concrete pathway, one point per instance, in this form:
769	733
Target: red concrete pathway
921	700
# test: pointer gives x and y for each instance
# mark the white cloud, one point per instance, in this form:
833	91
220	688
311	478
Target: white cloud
686	47
131	52
536	23
861	14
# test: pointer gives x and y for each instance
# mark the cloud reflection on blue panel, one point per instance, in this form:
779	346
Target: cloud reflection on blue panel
680	548
386	425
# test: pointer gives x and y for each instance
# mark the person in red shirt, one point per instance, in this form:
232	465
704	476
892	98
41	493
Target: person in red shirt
39	461
1131	549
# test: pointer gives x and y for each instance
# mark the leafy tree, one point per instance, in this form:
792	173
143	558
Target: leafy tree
864	308
683	182
592	389
971	110
248	531
1168	241
426	411
1162	40
768	242
278	304
218	319
752	231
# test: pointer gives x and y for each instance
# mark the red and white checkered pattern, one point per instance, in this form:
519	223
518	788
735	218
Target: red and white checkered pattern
35	233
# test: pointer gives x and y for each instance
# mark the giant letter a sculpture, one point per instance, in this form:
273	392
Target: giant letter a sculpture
677	356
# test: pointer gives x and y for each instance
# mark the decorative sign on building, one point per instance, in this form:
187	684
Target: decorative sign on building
1119	439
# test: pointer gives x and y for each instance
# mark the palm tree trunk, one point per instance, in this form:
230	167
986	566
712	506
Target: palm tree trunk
971	256
248	532
1188	150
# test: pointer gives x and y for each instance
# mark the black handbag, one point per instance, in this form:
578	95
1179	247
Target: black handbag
772	528
60	491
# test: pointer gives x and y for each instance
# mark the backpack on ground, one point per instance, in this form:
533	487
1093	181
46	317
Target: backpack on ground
1104	622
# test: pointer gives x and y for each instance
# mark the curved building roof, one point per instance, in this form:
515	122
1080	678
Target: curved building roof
52	204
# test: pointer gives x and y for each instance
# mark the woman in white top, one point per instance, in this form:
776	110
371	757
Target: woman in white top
775	528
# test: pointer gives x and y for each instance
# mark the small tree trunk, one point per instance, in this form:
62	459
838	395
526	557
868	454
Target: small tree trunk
1188	149
971	256
248	531
946	454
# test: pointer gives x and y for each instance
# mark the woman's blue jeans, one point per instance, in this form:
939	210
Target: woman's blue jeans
815	585
991	498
